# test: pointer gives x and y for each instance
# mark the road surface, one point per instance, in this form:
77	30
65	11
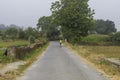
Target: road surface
58	63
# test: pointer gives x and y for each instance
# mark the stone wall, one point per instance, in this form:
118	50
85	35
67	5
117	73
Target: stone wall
113	62
20	52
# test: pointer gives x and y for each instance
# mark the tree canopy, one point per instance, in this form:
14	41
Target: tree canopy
14	32
74	17
104	27
48	28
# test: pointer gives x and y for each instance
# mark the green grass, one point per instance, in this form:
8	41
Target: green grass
35	53
5	59
95	38
33	56
1	55
4	44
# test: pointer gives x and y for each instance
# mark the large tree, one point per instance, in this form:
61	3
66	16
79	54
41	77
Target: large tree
104	27
48	28
74	17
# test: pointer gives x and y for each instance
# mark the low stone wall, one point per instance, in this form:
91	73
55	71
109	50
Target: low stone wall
20	52
113	62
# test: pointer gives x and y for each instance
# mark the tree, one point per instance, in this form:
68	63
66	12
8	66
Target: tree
0	33
115	37
11	33
13	26
48	28
74	17
21	33
43	24
29	32
104	27
31	39
2	27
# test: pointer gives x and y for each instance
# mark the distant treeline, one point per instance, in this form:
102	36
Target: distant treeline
14	32
4	27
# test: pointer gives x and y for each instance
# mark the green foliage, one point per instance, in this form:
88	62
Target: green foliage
14	32
11	33
21	34
29	32
32	56
4	44
5	59
32	39
115	37
0	33
74	17
102	62
48	28
104	27
95	38
3	37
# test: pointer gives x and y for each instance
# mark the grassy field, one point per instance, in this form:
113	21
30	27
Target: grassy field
4	44
107	51
95	38
95	54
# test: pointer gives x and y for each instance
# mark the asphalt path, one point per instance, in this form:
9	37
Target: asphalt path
59	63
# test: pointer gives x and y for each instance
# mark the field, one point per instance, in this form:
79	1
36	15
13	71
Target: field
4	44
95	54
107	51
95	38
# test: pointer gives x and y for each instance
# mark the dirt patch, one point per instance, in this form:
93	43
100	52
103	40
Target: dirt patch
10	67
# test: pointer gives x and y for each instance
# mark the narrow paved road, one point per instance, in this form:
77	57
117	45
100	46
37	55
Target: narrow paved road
58	63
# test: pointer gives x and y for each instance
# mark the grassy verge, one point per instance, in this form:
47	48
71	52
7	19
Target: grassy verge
95	54
29	59
33	56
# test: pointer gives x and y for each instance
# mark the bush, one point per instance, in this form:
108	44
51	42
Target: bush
95	38
31	39
5	59
115	37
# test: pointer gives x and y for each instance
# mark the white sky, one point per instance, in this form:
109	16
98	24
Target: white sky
27	12
107	9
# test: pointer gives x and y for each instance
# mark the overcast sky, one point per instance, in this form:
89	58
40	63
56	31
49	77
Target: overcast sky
27	12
